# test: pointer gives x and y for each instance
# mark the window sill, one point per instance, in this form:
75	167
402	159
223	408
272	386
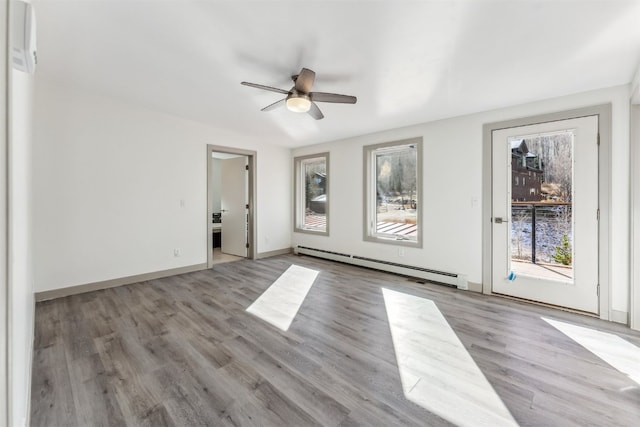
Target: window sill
311	231
393	241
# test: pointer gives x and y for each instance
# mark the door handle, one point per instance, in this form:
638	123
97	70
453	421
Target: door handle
224	210
499	220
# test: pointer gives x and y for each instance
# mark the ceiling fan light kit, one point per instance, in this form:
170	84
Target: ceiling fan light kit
300	99
298	103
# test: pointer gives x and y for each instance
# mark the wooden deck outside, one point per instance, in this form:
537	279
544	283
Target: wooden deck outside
315	221
400	228
543	271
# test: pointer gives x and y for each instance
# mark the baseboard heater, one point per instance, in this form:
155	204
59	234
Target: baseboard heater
441	277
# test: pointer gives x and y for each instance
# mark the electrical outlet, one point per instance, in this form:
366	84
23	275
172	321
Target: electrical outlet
177	252
400	251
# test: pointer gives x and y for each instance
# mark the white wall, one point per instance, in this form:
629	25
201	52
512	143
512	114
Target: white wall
452	218
109	180
274	208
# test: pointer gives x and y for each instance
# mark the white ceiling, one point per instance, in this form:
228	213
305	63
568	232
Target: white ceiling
407	61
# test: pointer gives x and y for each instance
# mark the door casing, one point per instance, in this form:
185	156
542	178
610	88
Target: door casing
604	186
5	396
252	223
634	274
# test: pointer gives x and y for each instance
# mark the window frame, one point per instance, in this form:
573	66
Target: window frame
299	195
370	196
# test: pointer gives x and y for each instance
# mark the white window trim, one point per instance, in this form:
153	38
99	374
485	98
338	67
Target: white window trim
370	197
298	197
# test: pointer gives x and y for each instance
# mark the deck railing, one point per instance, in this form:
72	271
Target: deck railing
558	214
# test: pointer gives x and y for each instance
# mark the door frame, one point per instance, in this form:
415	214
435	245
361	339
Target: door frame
634	274
5	345
603	112
252	223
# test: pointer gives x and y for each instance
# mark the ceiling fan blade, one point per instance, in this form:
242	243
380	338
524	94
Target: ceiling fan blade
315	112
274	105
269	88
332	97
305	80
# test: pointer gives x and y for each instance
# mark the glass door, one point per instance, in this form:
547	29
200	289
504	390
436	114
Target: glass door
545	213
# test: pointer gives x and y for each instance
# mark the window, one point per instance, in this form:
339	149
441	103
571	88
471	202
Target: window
393	185
312	194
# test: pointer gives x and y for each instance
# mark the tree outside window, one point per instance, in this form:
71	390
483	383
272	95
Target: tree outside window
393	181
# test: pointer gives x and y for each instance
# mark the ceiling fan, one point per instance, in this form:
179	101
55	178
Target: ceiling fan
300	99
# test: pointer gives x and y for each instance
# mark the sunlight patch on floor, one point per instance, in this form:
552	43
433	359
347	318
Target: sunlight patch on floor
279	304
436	370
617	352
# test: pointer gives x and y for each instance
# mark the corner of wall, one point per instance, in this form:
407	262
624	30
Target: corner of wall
4	86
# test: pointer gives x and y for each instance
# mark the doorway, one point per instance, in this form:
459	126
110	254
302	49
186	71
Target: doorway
230	204
546	214
545	202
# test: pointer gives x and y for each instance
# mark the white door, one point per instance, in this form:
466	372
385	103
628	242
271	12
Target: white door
545	205
233	200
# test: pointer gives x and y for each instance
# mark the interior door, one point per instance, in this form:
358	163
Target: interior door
545	213
233	200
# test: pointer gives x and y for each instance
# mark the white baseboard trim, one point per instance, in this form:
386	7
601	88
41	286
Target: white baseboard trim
619	316
475	287
112	283
277	252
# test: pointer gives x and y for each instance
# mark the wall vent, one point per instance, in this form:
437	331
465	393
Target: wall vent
435	276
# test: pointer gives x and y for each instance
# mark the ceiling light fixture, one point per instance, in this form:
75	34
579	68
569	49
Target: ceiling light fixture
300	99
299	104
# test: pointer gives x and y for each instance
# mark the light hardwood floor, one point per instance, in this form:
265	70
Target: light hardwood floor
183	351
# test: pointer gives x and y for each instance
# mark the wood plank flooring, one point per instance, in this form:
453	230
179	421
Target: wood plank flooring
182	351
